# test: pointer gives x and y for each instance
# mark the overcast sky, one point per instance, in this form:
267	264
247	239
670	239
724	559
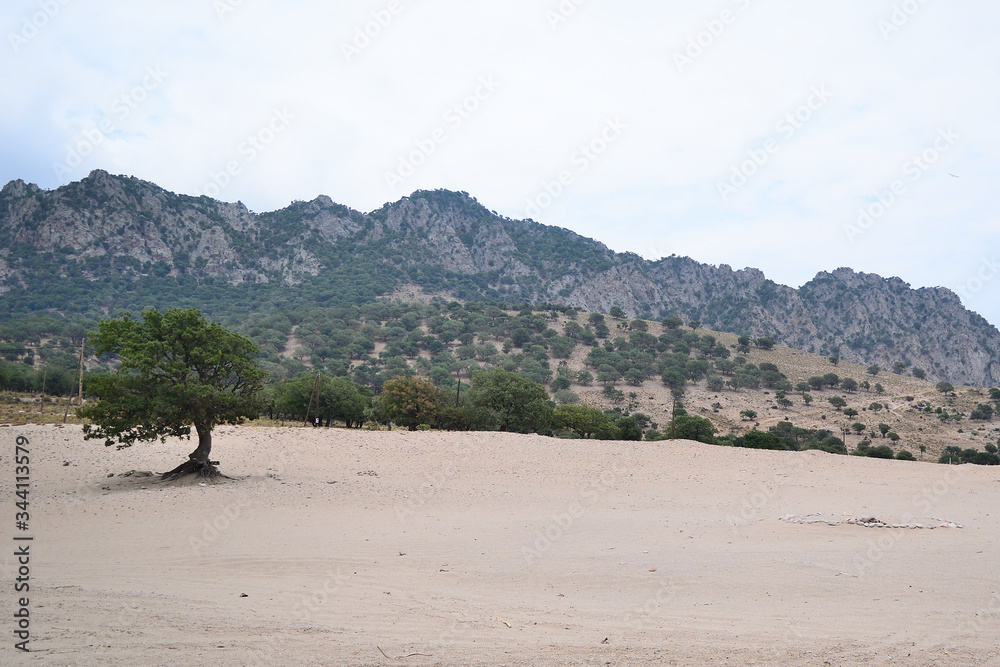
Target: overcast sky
792	137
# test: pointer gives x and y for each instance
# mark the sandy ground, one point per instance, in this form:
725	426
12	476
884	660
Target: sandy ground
495	549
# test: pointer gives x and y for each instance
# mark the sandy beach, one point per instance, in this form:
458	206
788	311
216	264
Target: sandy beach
337	547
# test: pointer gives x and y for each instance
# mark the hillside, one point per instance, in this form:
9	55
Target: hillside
617	365
107	243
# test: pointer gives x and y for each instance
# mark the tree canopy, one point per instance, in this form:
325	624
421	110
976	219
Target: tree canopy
177	370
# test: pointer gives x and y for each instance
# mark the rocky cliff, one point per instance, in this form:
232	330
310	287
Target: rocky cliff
110	242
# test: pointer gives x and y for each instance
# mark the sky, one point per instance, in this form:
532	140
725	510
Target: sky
790	137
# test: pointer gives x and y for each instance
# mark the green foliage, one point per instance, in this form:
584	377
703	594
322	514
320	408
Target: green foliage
692	427
583	420
760	440
507	401
945	387
765	343
837	401
332	398
410	401
982	412
904	455
177	370
748	415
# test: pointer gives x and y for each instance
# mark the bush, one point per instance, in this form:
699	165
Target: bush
944	387
692	427
628	429
904	455
760	440
880	452
566	396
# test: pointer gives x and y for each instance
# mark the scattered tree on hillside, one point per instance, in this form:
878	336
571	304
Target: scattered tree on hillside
945	387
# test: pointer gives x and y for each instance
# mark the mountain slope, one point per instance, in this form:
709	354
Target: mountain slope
112	242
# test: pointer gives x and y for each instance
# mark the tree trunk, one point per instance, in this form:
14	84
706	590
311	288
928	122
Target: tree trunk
198	461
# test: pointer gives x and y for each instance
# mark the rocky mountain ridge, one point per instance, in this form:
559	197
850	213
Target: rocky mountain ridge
110	242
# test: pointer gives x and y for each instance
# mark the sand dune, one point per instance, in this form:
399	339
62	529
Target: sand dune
489	549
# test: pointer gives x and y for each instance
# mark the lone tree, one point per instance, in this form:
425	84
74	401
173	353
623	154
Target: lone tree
177	370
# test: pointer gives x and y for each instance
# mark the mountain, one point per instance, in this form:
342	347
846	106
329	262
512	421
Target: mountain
108	242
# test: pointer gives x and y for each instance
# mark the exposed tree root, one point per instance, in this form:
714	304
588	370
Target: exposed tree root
200	467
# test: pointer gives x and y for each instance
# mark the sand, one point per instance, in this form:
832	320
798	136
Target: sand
332	547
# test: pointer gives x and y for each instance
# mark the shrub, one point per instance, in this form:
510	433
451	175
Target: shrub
904	455
760	440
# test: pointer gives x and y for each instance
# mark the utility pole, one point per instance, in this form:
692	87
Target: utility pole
314	393
79	374
458	392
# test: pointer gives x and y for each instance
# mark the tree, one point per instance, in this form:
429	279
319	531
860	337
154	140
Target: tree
945	387
892	435
508	401
761	440
617	313
765	343
858	427
849	384
879	389
837	401
874	370
672	322
898	367
748	415
850	412
581	419
919	373
995	394
875	407
627	428
807	398
817	382
692	427
410	401
177	370
982	412
883	429
831	379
